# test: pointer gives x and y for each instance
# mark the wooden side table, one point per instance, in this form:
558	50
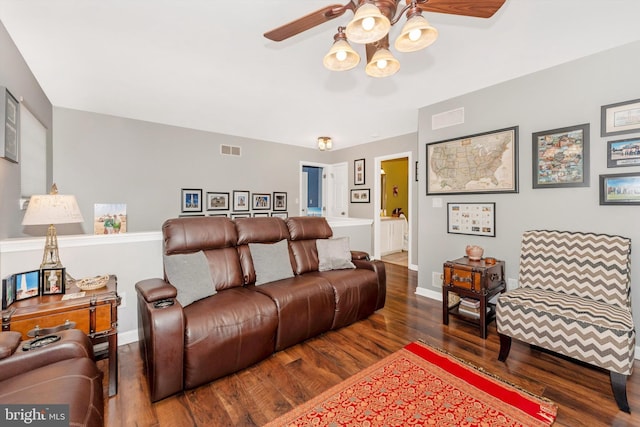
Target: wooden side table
479	280
95	314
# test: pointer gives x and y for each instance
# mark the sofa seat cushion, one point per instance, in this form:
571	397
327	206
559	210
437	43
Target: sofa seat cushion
582	328
76	382
355	293
305	308
226	332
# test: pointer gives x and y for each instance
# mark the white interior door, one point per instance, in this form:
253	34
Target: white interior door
338	191
304	192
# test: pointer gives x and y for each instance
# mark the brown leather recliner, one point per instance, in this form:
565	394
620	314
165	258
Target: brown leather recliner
241	324
63	372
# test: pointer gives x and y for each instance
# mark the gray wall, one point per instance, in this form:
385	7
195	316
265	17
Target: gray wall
16	76
566	95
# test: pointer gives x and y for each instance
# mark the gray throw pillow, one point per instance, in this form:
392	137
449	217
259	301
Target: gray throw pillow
271	261
334	254
190	275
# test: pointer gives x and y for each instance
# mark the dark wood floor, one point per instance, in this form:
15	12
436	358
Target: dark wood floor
274	386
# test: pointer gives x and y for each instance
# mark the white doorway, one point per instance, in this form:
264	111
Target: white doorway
378	208
324	189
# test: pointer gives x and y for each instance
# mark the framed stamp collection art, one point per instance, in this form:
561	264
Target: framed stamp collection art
478	219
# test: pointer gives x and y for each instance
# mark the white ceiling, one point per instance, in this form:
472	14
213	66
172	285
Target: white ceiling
204	64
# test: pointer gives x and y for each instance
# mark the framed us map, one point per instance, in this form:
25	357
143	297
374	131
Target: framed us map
474	164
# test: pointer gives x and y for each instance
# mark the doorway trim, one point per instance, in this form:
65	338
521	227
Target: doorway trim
377	192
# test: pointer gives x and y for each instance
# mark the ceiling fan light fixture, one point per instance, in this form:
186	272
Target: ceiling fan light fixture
368	24
382	64
341	56
416	33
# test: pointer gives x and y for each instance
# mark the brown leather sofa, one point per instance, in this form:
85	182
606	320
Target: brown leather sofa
60	373
241	324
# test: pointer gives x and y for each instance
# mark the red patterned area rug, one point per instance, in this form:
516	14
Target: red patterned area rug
421	385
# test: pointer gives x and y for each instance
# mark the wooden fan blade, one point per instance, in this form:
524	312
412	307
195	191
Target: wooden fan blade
475	8
308	21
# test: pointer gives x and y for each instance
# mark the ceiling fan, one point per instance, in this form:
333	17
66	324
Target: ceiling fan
370	26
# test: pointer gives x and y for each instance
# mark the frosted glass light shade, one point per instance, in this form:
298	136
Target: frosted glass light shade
368	25
341	56
383	64
416	34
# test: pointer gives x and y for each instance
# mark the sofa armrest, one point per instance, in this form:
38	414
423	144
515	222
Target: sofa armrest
376	266
152	290
359	255
73	343
161	337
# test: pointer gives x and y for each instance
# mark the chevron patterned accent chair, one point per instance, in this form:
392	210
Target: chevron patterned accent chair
574	299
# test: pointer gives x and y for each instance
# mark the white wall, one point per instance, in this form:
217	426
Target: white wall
566	95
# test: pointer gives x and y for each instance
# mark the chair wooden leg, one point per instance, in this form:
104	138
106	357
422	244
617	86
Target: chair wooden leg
505	347
619	386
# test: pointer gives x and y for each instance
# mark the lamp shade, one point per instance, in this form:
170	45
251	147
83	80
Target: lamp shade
52	209
383	64
416	34
341	56
368	25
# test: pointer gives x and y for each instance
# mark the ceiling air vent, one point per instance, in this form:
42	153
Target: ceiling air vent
229	150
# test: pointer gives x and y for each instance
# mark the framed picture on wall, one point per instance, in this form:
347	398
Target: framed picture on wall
217	201
191	200
451	164
240	201
261	201
477	219
360	196
561	157
620	189
279	201
625	152
10	115
620	118
358	172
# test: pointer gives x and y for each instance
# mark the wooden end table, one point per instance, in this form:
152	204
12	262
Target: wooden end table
480	280
95	313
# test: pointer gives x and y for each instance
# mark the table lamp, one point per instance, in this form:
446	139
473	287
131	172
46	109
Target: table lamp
52	208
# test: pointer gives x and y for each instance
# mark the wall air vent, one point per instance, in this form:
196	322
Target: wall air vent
447	118
229	150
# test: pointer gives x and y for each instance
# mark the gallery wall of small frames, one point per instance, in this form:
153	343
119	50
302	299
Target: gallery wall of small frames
235	204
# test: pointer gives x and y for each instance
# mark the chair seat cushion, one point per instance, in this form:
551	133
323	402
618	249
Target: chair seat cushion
591	331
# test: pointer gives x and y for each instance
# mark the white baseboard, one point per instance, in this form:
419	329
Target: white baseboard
127	337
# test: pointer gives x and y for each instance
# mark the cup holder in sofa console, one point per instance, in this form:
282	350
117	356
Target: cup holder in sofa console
163	303
40	342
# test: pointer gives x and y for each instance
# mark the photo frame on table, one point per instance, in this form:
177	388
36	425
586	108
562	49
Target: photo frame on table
191	200
279	201
282	215
26	285
624	152
52	281
620	118
451	164
240	201
620	189
261	201
217	201
9	133
360	196
8	292
476	219
358	172
561	157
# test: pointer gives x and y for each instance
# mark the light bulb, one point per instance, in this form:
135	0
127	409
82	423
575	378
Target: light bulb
368	23
382	64
415	34
341	55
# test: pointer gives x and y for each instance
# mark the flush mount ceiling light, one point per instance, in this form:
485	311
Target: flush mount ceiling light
371	25
325	143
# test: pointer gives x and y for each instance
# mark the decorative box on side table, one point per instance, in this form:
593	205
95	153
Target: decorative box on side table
479	280
95	313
